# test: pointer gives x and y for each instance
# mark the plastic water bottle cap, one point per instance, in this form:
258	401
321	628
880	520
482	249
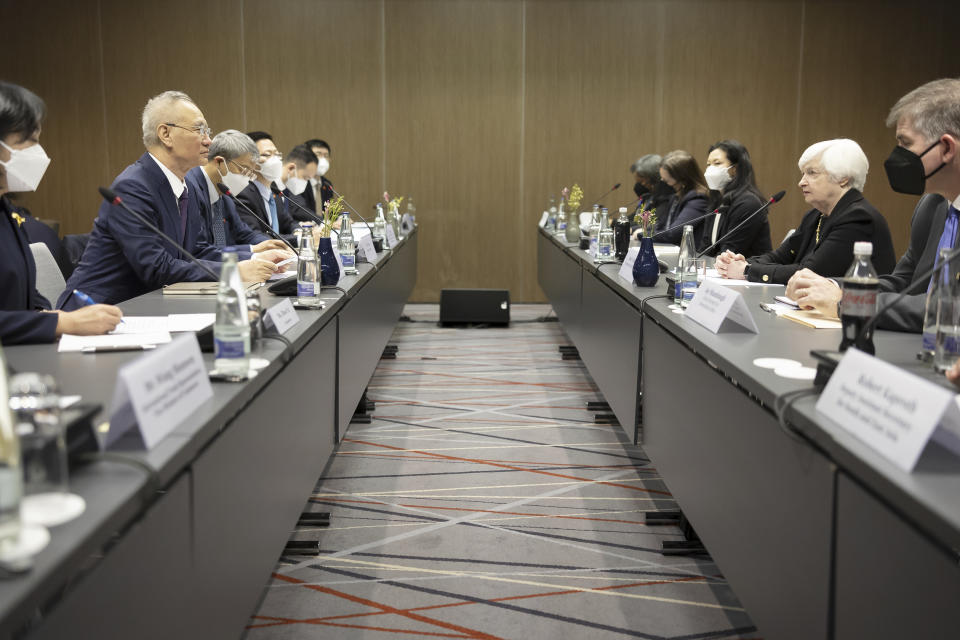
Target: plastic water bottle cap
863	248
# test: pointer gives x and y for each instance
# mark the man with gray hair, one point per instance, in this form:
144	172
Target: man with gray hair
925	161
124	258
232	160
651	191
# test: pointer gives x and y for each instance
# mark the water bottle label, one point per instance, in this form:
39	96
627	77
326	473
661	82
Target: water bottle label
929	341
229	348
562	226
859	302
689	289
605	250
305	289
347	259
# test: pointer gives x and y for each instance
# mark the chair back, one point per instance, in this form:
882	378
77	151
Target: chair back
50	282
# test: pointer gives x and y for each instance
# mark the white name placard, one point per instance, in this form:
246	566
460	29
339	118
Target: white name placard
626	269
718	308
407	223
282	316
156	392
543	218
365	244
890	409
391	237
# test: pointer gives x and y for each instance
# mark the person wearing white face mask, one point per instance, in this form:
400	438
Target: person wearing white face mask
24	313
731	179
300	165
259	198
231	162
321	185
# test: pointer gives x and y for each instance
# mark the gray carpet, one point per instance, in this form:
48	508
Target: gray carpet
483	502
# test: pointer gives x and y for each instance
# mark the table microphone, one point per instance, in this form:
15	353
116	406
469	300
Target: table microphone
111	196
777	197
609	191
222	188
683	224
313	216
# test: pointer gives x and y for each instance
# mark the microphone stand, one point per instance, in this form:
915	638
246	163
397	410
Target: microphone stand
776	198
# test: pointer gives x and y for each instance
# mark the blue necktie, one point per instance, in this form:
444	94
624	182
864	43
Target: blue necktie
182	204
274	222
216	224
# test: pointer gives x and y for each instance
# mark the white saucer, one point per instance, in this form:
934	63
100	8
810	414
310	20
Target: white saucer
775	363
796	373
51	509
31	541
259	363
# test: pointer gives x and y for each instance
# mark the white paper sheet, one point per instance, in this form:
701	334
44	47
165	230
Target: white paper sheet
71	343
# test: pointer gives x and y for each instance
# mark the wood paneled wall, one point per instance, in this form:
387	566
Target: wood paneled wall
480	109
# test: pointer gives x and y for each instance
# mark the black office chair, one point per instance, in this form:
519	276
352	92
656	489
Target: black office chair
73	246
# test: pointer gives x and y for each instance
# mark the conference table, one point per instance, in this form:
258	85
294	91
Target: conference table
819	535
179	540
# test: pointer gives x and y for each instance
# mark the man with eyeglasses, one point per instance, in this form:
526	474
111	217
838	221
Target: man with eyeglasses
258	196
124	258
232	161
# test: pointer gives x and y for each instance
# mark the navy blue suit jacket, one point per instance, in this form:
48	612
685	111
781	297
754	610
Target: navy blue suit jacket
21	321
251	197
124	258
239	236
305	200
690	206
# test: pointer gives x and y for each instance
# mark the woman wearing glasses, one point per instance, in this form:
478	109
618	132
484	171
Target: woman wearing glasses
24	313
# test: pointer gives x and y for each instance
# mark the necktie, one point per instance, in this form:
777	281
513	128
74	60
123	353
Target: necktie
216	224
274	222
182	204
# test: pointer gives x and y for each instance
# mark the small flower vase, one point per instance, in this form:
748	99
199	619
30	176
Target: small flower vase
329	269
646	269
573	227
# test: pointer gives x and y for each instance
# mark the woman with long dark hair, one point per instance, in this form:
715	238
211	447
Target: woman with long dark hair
730	176
681	171
24	313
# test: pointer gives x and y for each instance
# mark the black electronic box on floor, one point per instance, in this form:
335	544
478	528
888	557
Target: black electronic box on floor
474	306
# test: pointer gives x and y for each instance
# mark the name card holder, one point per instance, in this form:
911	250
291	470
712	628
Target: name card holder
365	243
626	269
281	317
155	393
721	309
391	237
892	410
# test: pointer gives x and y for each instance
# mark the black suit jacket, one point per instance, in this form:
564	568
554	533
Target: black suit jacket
752	239
852	220
305	200
238	236
690	206
926	227
250	196
20	303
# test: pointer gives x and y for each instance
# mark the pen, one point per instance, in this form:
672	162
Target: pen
85	299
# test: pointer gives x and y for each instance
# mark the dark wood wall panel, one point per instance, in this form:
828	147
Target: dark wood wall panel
453	77
480	109
313	70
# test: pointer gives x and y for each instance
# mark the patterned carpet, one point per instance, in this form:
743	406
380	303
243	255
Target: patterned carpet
483	502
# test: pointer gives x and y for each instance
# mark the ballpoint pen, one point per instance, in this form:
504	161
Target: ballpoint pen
85	299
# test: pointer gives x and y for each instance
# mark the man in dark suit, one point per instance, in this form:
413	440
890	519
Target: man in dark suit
268	207
124	258
926	160
231	160
300	165
321	185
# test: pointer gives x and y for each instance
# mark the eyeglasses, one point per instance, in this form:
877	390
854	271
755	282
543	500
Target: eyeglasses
200	129
266	155
244	171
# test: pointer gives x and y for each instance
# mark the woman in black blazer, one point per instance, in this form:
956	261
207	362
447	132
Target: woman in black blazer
832	174
23	311
681	171
730	175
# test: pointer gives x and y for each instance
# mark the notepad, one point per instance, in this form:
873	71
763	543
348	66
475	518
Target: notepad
200	288
811	318
110	342
173	323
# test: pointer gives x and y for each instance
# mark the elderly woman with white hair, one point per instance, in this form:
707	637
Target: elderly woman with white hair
833	173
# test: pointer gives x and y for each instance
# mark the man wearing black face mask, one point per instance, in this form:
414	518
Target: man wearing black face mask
651	191
925	161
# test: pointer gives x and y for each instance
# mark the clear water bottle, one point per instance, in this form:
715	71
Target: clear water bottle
346	247
594	230
393	218
561	220
947	342
938	288
604	241
308	270
552	214
11	478
687	252
379	224
859	302
231	330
